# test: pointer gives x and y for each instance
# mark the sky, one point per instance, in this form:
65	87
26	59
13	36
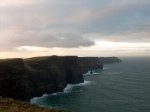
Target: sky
31	28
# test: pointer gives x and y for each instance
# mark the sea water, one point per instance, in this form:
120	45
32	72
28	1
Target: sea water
120	87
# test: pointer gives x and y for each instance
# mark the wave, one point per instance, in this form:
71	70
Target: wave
66	90
114	73
71	86
94	72
105	68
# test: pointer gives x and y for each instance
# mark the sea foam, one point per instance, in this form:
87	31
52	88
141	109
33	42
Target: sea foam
71	86
94	73
66	90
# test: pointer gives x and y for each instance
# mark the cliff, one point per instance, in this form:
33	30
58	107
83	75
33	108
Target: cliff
64	69
90	63
32	77
24	79
95	63
11	105
12	72
108	60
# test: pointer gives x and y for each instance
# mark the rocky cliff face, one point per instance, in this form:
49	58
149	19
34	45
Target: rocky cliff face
24	79
108	60
90	63
64	69
11	73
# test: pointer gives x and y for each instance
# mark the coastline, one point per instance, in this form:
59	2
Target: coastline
33	77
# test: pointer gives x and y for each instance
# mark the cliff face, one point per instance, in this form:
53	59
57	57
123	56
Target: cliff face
90	63
24	79
108	60
64	69
11	73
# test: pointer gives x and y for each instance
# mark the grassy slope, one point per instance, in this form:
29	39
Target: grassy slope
10	105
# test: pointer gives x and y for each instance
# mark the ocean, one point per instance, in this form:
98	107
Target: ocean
120	87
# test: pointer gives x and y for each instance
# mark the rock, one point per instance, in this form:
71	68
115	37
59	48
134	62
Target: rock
11	73
107	60
90	63
24	79
33	77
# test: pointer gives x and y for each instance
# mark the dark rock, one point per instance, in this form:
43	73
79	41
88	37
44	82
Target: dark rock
90	63
11	73
32	77
108	60
24	79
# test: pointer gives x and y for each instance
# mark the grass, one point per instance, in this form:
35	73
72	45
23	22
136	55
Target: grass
11	105
40	58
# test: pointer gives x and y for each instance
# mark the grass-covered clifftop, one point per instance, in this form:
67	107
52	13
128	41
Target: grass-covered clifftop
11	105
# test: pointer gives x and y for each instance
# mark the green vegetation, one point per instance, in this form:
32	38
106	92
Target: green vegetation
38	58
10	105
54	69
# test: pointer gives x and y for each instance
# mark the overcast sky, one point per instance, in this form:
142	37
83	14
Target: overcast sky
74	27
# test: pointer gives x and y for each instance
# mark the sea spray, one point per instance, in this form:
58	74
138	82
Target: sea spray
66	90
94	72
70	86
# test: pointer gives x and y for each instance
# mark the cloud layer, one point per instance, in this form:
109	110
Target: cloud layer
15	38
72	23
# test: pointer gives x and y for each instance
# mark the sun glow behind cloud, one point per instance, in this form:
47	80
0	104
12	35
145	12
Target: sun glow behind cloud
7	3
122	45
123	48
101	48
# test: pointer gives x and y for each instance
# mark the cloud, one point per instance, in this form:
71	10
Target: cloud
133	37
6	3
72	23
120	17
18	37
